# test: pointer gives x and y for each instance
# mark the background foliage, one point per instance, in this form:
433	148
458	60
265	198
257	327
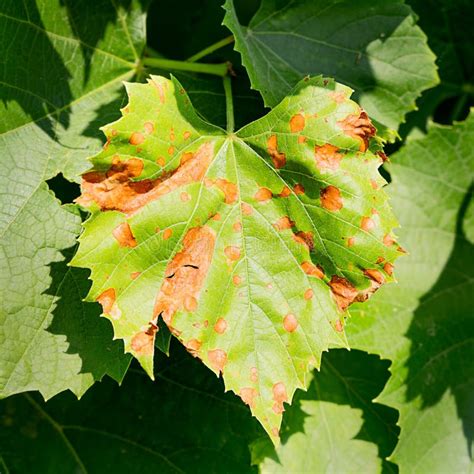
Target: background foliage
402	399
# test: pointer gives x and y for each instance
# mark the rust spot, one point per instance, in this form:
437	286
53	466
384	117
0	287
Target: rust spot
186	157
312	269
358	126
229	189
327	157
237	226
331	198
338	97
284	223
186	135
149	127
290	323
339	326
367	223
275	432
343	291
280	396
263	194
107	143
171	150
236	280
388	268
193	346
161	161
374	184
185	196
246	209
109	306
308	294
160	88
220	326
379	260
299	189
375	275
248	394
254	374
167	234
350	241
115	189
217	359
297	123
388	240
136	138
123	235
143	342
279	159
185	274
216	217
135	275
304	238
172	135
302	139
285	192
232	252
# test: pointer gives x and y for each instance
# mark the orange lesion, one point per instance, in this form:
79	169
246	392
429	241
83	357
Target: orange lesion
327	157
123	234
278	158
358	126
331	198
143	342
115	189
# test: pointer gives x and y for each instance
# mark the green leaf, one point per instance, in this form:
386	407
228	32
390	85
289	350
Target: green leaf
372	46
335	426
181	423
245	244
425	324
62	67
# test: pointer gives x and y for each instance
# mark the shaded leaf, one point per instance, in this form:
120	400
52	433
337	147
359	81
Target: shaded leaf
425	326
245	244
373	47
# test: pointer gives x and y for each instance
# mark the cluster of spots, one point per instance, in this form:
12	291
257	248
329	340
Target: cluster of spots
279	396
109	306
143	343
327	157
279	159
185	274
115	190
331	198
358	126
123	235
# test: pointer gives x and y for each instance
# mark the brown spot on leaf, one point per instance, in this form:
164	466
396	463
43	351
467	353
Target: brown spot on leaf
290	323
149	127
185	196
280	396
331	198
136	138
167	234
135	275
339	326
302	139
304	238
216	217
374	184
232	252
279	159
143	342
248	394
308	294
375	275
193	346
284	223
285	192
171	150
237	226
388	240
246	209
217	359
298	189
185	274
220	326
343	291
367	223
123	235
297	123
186	135
338	97
327	157
161	161
160	88
229	189
172	135
254	374
350	241
358	126
263	194
236	280
115	189
388	268
109	306
313	270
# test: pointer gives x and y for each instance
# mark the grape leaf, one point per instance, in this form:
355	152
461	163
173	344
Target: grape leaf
374	47
338	406
62	66
425	326
183	422
250	245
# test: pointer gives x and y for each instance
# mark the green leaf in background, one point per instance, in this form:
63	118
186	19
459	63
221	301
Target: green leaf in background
183	422
372	46
426	325
181	214
335	426
62	67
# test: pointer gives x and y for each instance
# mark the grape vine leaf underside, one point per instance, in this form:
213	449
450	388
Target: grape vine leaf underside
251	245
426	325
375	47
76	55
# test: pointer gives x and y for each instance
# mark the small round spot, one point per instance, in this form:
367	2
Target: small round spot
350	241
308	294
171	150
221	326
236	280
298	189
167	234
237	226
149	127
263	194
388	268
367	223
136	138
290	323
185	196
232	252
190	303
186	135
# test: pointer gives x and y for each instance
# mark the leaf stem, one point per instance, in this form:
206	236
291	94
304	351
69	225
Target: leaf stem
229	105
215	69
213	47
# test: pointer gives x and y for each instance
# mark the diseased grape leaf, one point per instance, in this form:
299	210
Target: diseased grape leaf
372	46
335	426
62	67
183	422
426	325
249	245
